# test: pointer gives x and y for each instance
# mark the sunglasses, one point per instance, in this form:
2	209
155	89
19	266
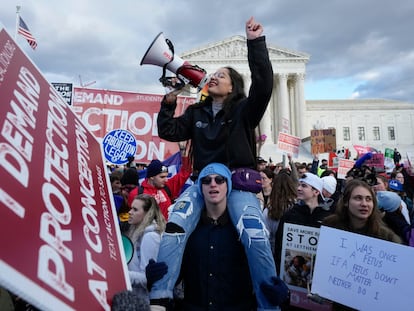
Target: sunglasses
218	179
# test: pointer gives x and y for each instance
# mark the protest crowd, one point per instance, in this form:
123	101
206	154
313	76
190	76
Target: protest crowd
210	238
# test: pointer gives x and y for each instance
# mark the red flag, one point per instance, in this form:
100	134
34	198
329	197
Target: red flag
25	32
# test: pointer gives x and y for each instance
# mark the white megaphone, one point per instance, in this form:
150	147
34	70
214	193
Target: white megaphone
161	53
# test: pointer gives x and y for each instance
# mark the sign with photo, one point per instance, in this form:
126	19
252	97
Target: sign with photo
297	262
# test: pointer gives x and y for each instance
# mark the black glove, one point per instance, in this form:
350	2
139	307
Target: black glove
276	292
154	271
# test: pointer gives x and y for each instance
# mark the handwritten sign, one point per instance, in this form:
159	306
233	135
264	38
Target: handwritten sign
323	141
363	272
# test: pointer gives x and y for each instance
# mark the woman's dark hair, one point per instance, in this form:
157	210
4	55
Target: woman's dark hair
236	95
283	195
237	92
269	173
301	260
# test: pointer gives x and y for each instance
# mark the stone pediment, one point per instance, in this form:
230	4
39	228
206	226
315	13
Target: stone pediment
235	48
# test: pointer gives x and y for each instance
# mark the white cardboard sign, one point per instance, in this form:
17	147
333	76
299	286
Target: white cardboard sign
363	272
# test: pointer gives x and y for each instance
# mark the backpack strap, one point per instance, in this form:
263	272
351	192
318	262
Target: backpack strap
168	190
140	189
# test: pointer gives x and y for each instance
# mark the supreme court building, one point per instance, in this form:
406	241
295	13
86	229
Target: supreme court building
378	123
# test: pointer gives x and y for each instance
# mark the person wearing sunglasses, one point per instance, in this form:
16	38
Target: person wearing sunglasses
215	270
221	129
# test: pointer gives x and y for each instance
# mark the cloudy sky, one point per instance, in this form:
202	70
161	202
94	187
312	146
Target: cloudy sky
357	48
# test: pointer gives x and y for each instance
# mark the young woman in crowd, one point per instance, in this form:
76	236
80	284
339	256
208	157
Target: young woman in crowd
282	198
267	182
358	212
146	224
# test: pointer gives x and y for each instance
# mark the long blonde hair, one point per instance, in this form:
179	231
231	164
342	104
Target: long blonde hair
152	215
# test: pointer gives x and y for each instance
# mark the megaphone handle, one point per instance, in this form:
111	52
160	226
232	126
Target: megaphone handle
163	79
173	82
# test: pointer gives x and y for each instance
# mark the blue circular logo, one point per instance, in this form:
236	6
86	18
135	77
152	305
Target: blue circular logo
118	146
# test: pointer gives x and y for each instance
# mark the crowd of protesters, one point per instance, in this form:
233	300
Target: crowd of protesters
220	238
310	194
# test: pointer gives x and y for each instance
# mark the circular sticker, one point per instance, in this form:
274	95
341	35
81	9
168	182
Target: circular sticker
119	145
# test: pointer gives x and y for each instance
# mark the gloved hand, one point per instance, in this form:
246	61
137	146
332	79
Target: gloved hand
276	291
154	271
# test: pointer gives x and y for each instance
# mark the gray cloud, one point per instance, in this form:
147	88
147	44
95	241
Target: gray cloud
104	41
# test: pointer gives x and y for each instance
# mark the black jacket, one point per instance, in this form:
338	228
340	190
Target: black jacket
227	139
215	271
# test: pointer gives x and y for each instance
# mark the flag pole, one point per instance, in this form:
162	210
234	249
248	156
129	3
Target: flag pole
18	7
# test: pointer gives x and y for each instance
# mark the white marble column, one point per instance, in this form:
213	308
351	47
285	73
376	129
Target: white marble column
283	104
300	106
292	100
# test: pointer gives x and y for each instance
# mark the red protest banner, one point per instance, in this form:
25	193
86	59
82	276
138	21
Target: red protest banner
103	111
60	237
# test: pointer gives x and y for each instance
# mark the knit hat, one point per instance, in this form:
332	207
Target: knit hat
155	168
218	169
329	184
130	177
394	184
313	181
388	201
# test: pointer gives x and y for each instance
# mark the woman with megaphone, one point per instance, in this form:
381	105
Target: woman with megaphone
221	129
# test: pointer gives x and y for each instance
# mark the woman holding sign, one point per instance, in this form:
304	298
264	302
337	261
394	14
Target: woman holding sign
358	212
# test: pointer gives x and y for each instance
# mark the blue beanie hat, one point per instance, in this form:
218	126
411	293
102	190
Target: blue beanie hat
218	169
156	167
388	201
394	184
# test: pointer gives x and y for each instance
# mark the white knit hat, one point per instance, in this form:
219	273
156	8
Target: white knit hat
313	181
329	184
